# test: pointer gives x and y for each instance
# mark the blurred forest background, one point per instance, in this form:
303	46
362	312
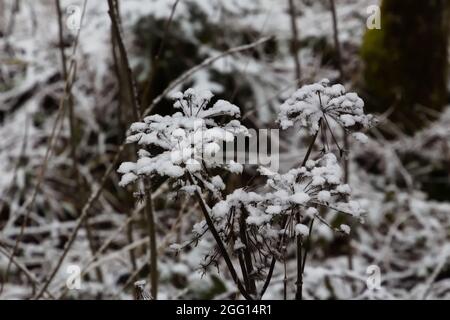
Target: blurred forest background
65	109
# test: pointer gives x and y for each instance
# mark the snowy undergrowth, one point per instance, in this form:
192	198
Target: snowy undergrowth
401	224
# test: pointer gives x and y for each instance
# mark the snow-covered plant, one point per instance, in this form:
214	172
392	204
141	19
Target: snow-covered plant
255	228
300	190
318	183
185	146
189	141
313	104
261	225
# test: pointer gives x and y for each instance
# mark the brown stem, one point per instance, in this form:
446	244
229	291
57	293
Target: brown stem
124	57
152	238
272	264
295	40
337	44
298	293
247	253
121	125
244	271
121	121
346	142
73	142
155	60
285	280
222	249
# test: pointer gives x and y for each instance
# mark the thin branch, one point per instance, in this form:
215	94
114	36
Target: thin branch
295	40
166	29
150	219
73	153
155	60
299	292
337	44
24	269
123	53
272	264
247	256
40	178
303	263
121	124
186	75
84	213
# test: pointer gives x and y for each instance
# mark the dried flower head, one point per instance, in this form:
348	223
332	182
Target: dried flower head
189	140
311	104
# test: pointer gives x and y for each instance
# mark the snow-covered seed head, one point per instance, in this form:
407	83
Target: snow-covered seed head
311	103
189	141
301	190
317	183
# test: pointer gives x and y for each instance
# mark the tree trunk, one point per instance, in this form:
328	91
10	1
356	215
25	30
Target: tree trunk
406	61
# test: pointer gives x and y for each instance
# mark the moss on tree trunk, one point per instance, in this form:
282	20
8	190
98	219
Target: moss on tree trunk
406	61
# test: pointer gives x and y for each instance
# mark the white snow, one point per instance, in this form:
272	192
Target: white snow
345	228
301	230
300	198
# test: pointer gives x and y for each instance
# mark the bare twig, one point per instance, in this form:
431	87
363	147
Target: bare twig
115	20
152	239
295	40
186	75
40	178
34	281
337	44
272	264
94	196
121	123
155	63
124	56
299	239
247	253
73	148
